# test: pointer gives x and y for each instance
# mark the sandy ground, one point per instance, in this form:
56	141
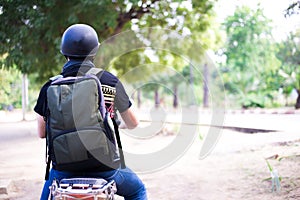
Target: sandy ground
236	169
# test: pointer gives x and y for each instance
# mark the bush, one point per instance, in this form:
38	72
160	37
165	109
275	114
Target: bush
10	89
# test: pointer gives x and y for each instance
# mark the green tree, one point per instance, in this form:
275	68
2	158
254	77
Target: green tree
31	30
289	55
250	57
171	46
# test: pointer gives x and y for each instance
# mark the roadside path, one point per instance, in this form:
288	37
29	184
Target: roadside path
234	170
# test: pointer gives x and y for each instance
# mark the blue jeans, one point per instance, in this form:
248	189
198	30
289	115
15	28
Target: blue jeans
128	183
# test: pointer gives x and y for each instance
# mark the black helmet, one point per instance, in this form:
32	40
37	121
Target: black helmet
79	40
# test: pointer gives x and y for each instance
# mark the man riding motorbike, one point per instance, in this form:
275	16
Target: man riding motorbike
79	45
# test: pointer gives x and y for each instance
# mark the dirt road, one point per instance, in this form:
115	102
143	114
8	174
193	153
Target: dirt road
236	169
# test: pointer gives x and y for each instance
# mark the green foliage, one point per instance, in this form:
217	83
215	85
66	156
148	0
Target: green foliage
275	178
289	55
250	57
269	166
31	30
289	72
248	35
10	88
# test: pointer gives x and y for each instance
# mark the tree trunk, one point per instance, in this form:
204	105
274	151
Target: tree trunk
156	98
139	102
24	95
191	87
205	86
175	100
297	106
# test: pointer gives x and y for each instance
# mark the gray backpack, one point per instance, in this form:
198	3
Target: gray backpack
80	133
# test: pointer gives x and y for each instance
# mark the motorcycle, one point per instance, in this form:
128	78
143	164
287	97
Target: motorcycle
83	189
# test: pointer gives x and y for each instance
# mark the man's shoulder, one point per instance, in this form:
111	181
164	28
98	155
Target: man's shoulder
108	78
46	85
109	74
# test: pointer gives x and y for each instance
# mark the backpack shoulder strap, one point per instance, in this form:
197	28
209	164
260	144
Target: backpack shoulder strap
94	71
56	77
